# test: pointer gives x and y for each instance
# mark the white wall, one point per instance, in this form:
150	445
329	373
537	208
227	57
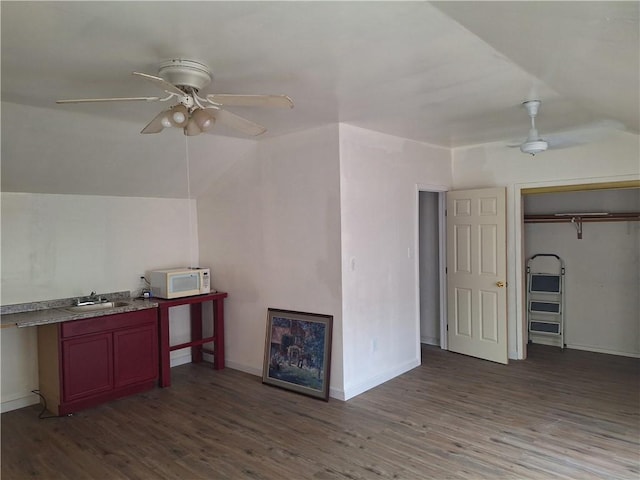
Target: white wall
602	269
270	231
59	246
614	159
275	229
324	220
379	179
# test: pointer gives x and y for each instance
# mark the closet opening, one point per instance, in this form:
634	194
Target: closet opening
431	267
595	231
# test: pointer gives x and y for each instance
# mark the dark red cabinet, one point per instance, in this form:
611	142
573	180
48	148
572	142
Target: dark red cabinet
87	366
135	355
83	363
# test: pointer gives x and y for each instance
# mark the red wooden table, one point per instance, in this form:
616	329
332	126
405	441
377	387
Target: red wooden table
197	341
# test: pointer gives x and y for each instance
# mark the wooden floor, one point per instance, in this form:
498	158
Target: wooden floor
566	415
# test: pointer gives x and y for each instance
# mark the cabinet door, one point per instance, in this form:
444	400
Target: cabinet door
135	355
87	364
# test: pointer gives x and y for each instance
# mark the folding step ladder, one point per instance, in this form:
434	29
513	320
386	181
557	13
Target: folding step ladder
545	299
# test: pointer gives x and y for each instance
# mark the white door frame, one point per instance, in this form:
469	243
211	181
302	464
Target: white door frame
441	190
515	250
442	265
515	270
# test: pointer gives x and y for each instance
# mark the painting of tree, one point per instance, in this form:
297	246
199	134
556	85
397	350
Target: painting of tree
297	351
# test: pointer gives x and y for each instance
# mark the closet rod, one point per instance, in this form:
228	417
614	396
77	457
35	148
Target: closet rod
578	219
571	217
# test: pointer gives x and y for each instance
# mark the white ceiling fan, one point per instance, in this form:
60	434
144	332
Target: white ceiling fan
534	143
181	80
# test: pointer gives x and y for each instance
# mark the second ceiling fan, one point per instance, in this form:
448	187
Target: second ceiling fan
534	143
182	80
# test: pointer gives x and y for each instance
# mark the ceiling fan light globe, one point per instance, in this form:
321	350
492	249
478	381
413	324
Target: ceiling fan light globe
166	123
192	128
179	117
204	120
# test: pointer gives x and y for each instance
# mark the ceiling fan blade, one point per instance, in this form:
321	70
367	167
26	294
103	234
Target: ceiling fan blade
234	121
278	101
121	99
160	83
590	133
155	125
557	142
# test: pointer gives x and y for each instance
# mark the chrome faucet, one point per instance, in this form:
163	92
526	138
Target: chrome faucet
92	299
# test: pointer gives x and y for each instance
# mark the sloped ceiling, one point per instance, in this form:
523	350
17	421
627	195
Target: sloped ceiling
449	74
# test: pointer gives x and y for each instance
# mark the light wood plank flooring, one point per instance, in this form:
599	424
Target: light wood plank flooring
565	415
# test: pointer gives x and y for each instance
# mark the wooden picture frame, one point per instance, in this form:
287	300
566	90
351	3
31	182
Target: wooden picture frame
297	353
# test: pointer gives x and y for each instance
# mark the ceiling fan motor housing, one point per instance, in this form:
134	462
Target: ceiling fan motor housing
534	147
185	73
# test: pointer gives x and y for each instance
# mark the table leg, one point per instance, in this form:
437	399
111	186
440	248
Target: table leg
218	331
165	362
196	331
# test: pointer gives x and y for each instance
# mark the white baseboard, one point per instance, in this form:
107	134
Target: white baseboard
430	341
370	383
32	398
336	393
333	392
590	348
243	368
553	341
20	402
180	359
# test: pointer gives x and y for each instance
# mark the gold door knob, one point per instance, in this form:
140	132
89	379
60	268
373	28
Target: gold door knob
500	284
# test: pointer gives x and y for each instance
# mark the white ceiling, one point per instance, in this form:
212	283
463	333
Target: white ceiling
445	73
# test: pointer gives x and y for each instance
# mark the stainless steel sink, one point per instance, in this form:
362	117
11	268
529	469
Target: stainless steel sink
96	306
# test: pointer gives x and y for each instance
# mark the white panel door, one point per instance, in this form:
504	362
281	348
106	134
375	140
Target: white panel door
476	273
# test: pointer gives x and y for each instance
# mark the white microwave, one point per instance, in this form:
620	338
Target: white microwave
180	282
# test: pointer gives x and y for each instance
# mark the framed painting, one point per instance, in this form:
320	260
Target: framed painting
297	352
